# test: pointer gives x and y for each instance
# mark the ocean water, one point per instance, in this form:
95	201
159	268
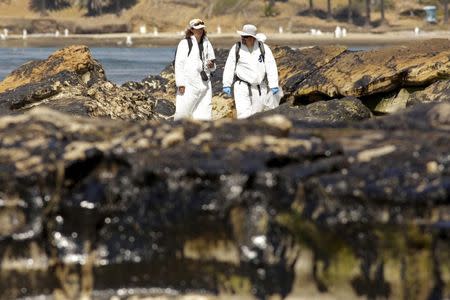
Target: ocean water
120	64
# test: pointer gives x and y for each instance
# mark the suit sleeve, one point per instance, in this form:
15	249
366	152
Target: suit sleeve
211	56
228	72
271	68
180	60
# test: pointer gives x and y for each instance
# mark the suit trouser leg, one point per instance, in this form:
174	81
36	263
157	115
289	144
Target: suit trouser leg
247	105
185	104
257	99
203	110
242	100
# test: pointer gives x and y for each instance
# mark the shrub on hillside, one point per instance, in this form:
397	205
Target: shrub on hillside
222	7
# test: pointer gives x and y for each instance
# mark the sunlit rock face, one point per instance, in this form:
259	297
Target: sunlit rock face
297	65
65	90
72	81
436	92
365	73
76	59
249	208
153	85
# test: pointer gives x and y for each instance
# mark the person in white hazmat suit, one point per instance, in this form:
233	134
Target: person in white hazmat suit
194	62
252	69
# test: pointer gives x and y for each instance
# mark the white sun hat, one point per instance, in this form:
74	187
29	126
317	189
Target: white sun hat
248	30
196	24
261	37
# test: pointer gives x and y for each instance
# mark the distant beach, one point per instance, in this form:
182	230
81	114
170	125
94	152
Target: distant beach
219	40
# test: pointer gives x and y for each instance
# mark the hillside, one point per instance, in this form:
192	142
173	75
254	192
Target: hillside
172	16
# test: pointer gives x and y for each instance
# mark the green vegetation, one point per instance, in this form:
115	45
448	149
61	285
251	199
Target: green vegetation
269	9
222	7
329	9
94	7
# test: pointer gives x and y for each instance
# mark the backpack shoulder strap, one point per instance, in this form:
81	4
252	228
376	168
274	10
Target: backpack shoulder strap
189	40
263	51
237	49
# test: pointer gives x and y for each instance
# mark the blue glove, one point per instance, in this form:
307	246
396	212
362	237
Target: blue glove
227	90
275	90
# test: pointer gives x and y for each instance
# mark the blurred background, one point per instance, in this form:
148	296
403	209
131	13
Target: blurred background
295	16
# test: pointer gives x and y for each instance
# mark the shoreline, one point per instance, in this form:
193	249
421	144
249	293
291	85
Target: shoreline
219	40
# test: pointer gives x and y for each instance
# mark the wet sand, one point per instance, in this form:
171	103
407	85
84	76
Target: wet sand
222	40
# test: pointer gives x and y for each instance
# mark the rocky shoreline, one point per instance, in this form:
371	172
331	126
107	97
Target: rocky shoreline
343	191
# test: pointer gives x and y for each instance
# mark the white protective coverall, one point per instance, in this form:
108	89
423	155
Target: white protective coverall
196	102
252	69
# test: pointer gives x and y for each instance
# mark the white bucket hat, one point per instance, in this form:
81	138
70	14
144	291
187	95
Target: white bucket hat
248	30
196	24
261	37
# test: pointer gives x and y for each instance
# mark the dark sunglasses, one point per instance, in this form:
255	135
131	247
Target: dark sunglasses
199	23
245	37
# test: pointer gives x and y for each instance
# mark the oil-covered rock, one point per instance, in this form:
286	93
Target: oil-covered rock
250	208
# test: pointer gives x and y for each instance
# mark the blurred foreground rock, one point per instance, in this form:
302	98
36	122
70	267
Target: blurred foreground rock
250	208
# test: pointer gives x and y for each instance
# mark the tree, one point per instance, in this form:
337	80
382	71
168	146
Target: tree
367	13
99	7
382	11
94	7
118	9
44	5
329	14
269	10
311	6
350	12
446	11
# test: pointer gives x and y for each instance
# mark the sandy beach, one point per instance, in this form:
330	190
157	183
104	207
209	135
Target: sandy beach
219	40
